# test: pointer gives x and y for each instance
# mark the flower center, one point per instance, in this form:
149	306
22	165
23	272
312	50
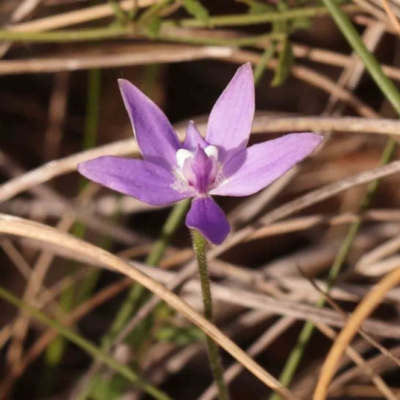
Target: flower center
198	168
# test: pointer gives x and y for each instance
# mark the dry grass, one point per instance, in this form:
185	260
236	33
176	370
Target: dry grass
55	235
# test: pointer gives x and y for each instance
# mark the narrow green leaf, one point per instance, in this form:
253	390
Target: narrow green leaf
178	335
153	27
299	23
153	11
120	14
285	62
85	345
263	64
197	10
151	20
109	389
256	7
281	26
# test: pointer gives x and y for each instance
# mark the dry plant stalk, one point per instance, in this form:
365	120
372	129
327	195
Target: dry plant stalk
391	15
363	310
261	124
167	53
76	17
20	227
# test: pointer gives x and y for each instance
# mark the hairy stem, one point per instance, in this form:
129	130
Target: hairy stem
199	246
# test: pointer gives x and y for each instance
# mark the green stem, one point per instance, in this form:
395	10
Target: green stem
393	96
172	223
236	42
85	345
89	141
199	246
252	19
119	32
294	359
152	12
296	355
174	220
150	79
92	109
348	30
56	349
63	36
115	33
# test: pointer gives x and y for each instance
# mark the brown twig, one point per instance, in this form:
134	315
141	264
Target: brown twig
370	302
47	172
76	17
16	226
57	115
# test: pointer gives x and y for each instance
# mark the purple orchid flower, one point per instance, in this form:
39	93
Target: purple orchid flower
218	165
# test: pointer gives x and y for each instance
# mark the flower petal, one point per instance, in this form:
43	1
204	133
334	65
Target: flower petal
154	133
230	120
258	166
207	217
145	181
193	138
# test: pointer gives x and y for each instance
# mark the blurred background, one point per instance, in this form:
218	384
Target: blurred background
60	61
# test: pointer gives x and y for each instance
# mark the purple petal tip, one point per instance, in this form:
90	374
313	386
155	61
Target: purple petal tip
122	83
140	179
247	66
259	165
229	124
207	217
81	167
156	137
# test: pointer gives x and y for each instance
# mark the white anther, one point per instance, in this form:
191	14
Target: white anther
211	151
182	155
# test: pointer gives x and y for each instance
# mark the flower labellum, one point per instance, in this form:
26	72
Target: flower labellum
221	164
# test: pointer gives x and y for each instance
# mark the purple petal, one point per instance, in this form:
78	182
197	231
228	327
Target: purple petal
230	120
256	167
145	181
154	133
193	138
207	217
